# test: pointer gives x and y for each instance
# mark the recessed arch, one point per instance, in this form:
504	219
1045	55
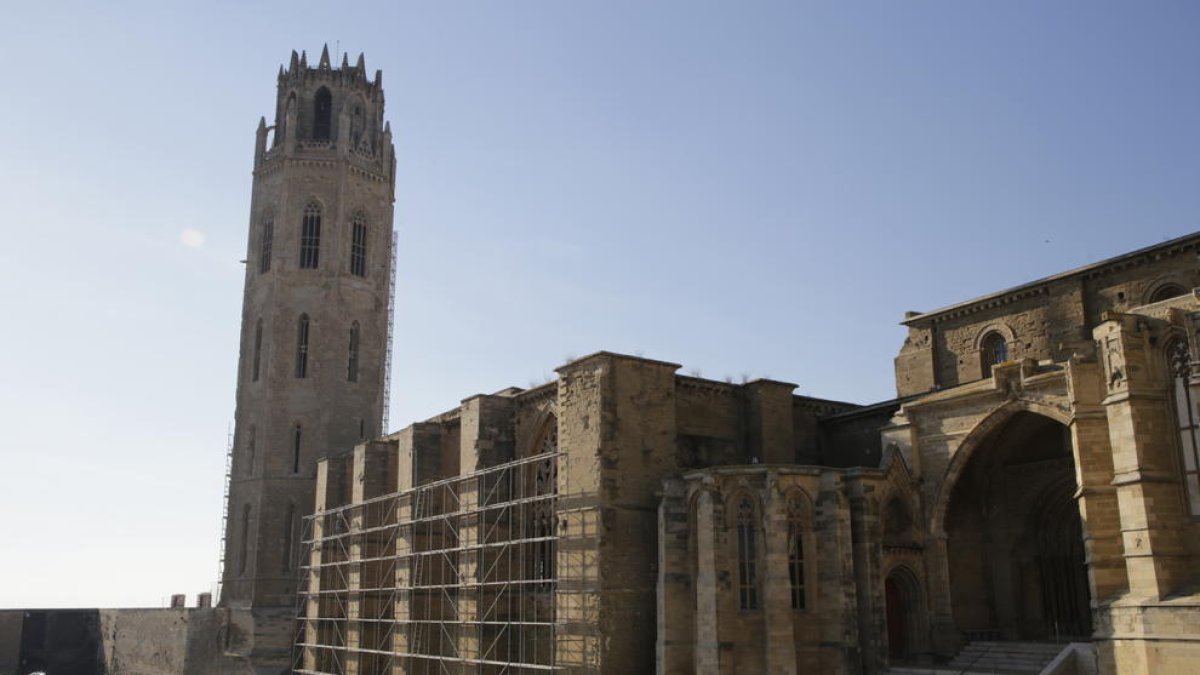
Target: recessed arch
904	605
1165	290
322	114
978	436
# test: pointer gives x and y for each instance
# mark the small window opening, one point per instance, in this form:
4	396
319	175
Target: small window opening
362	429
322	113
302	347
358	247
352	366
747	556
994	351
310	237
296	449
265	244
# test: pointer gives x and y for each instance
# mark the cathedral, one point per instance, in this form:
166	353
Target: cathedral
1029	502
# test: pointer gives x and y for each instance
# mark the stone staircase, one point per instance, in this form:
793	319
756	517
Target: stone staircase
985	658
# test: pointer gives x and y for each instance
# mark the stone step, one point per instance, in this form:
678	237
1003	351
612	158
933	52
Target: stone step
1011	658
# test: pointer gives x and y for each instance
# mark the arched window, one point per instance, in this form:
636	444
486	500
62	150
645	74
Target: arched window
302	346
257	351
795	549
322	113
244	549
993	350
352	366
1186	422
265	243
1167	291
358	246
296	448
310	237
747	555
289	541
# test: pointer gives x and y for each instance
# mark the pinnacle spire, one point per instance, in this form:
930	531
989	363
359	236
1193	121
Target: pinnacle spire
345	61
281	70
361	66
324	63
303	59
295	61
378	78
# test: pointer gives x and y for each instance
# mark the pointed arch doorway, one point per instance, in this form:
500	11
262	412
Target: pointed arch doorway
1014	537
902	604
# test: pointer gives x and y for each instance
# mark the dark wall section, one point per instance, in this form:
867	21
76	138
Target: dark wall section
852	438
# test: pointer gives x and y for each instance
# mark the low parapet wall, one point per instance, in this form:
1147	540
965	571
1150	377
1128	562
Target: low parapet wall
175	641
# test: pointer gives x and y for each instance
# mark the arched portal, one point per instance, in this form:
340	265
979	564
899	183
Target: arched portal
1013	536
902	602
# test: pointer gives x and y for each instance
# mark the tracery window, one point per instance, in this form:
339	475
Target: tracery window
1187	421
795	548
322	114
302	346
541	527
257	351
358	246
352	366
310	236
265	243
747	552
994	350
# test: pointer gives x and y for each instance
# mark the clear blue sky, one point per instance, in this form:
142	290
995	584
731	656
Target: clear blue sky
745	188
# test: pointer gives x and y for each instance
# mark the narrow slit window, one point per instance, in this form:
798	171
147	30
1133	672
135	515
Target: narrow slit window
244	548
795	546
250	451
358	247
747	549
352	365
289	539
302	346
310	237
257	361
266	242
296	449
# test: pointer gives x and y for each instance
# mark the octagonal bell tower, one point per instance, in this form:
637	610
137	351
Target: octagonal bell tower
314	338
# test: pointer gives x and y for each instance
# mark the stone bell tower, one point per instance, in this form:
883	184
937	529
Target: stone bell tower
315	322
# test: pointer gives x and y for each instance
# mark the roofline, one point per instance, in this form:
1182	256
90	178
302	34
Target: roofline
1033	287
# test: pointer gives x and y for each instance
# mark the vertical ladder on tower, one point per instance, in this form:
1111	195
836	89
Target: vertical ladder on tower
224	516
387	355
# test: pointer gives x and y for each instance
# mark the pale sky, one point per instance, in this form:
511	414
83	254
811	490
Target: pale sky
750	189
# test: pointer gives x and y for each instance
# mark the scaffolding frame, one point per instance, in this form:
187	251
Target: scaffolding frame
458	574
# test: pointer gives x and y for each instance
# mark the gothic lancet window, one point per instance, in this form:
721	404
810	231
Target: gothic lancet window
265	243
257	361
747	555
310	237
289	541
352	366
302	346
358	246
795	550
1187	422
993	350
322	114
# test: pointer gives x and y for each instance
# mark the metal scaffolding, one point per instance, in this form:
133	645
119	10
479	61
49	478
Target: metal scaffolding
459	574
